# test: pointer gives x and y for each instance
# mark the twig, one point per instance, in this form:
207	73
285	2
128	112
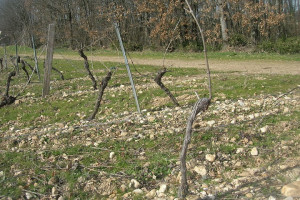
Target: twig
170	42
275	102
36	193
204	48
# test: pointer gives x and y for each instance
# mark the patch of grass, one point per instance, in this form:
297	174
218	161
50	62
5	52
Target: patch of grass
182	55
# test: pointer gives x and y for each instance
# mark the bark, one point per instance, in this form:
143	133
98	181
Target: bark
157	79
87	67
6	99
200	106
104	84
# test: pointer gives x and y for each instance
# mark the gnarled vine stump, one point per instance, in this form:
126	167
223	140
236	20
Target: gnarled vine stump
6	99
87	67
200	106
104	84
157	79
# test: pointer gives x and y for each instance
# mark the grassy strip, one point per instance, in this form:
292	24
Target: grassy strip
182	55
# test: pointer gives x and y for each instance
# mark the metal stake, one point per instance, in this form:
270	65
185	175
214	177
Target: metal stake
127	67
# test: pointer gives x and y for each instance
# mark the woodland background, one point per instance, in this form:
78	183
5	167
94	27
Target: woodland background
263	25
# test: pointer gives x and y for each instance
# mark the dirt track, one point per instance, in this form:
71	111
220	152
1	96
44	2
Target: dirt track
251	66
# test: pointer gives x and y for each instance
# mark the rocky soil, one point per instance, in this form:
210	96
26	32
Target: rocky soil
245	169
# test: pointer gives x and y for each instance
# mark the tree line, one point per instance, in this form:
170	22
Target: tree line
151	23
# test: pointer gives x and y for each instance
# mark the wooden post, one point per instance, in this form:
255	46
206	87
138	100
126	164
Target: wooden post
35	58
127	67
49	58
5	58
17	57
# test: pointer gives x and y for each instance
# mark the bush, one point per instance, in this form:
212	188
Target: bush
282	46
133	46
238	40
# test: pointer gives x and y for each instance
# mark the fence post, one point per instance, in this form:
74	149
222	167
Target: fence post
127	67
49	58
35	58
17	56
5	58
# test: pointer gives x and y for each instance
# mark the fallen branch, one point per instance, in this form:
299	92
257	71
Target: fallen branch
157	79
87	67
6	99
104	84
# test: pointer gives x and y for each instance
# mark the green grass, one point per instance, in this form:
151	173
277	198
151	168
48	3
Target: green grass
182	55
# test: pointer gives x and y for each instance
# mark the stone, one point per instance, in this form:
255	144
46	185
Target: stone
151	119
163	188
239	150
192	197
60	125
210	157
289	198
60	198
211	123
134	183
151	194
271	198
123	188
249	195
54	191
123	134
112	155
264	129
251	116
137	191
17	102
291	190
286	110
28	195
254	152
201	170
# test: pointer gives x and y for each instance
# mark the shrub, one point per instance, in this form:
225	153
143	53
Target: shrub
238	40
283	46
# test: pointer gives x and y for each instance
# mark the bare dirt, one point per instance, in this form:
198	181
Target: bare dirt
249	67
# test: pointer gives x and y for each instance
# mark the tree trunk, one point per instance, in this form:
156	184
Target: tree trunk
223	22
